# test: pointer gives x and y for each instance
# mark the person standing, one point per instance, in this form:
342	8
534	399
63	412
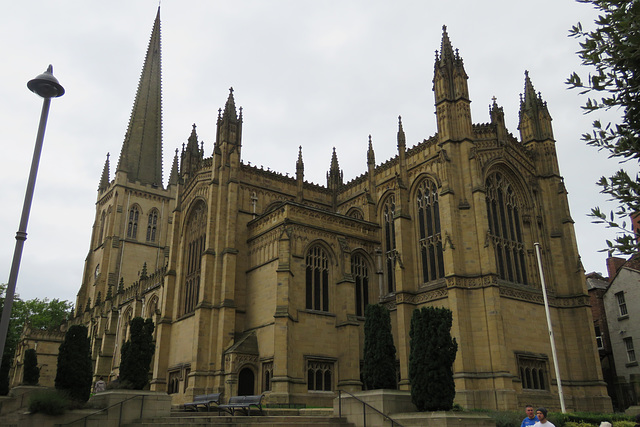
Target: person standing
99	386
531	417
541	413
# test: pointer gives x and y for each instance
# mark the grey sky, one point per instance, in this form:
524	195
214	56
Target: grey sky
319	74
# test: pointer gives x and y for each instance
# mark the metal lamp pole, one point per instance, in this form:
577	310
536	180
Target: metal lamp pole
47	86
554	354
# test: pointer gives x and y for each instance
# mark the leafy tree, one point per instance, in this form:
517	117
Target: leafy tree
40	314
31	370
613	50
379	367
431	357
74	364
136	354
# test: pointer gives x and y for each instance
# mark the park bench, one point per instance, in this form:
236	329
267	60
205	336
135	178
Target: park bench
205	400
242	403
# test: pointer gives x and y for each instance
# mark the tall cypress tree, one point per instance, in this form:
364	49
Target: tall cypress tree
136	354
379	366
74	364
431	358
31	370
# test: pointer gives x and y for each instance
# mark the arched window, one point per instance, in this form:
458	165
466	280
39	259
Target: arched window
389	240
505	228
430	239
102	222
317	279
132	226
194	248
152	225
360	272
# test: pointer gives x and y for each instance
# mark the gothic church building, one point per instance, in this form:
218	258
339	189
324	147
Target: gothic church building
257	281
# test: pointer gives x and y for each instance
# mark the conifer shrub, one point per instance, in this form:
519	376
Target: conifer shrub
137	353
73	375
431	358
31	370
379	365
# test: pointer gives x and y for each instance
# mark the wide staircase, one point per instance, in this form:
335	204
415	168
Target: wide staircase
179	419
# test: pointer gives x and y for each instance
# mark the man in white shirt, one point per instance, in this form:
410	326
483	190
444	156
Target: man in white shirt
541	413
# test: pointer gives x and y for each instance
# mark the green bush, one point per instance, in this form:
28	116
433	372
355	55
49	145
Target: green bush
49	402
73	375
137	353
379	364
432	352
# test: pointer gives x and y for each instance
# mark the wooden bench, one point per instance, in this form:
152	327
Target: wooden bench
205	400
242	403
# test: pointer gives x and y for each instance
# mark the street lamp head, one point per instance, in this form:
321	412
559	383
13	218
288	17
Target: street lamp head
46	85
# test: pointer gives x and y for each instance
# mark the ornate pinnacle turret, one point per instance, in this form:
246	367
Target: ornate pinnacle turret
535	120
334	177
299	162
402	141
104	179
141	154
371	156
230	107
173	177
229	125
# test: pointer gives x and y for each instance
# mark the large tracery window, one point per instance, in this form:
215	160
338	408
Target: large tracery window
388	212
360	272
429	231
505	229
194	248
317	279
132	226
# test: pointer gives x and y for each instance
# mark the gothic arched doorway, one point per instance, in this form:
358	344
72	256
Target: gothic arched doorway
246	381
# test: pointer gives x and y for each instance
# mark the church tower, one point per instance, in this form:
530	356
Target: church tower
129	241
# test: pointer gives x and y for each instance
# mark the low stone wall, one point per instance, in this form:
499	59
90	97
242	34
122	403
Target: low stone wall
397	405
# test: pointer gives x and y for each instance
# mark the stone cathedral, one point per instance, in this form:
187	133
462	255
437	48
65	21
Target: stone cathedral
257	281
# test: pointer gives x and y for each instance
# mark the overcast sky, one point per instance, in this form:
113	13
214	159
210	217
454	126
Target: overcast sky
316	74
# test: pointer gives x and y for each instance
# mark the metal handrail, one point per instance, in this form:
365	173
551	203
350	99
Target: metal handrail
364	412
86	417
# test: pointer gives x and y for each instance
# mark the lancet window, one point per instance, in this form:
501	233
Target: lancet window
505	228
360	273
132	226
430	238
152	226
194	248
317	279
389	239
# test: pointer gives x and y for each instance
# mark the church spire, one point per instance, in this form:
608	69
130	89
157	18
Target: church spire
141	154
535	120
334	176
104	179
451	91
173	177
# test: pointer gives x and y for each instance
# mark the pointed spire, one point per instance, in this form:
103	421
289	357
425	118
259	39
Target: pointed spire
402	141
371	157
192	142
104	179
173	177
230	106
334	176
446	49
141	154
535	120
299	163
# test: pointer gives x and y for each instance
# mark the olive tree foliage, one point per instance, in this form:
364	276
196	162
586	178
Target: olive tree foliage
431	358
612	51
379	365
136	354
73	375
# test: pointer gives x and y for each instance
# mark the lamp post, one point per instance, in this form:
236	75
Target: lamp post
47	86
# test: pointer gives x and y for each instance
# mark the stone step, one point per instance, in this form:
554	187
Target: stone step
242	421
